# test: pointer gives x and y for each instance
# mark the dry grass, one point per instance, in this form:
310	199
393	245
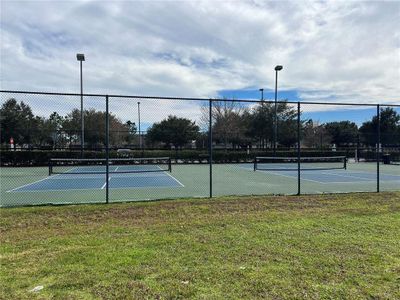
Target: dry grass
310	247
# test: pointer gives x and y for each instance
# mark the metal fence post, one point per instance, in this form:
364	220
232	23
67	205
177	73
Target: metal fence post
107	149
378	147
210	150
298	150
82	117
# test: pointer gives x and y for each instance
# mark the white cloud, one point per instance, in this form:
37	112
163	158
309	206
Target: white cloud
334	51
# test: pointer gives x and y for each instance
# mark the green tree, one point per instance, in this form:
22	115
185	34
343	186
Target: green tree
72	126
43	135
49	131
173	131
131	131
95	128
389	127
17	121
55	127
287	125
261	124
343	132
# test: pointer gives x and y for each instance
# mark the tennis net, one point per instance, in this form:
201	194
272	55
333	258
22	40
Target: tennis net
306	163
115	165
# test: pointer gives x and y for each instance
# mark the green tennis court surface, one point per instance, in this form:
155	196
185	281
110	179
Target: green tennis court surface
32	186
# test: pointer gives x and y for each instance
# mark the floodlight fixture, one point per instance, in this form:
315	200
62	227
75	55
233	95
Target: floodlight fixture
80	57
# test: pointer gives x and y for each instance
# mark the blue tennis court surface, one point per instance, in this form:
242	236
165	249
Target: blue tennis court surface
331	176
70	180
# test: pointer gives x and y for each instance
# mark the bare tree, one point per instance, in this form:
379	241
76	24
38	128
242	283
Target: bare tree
227	119
315	135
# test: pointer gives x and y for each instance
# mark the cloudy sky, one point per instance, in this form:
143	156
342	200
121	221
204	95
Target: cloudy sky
335	51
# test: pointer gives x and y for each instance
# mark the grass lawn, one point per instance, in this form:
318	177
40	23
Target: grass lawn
273	247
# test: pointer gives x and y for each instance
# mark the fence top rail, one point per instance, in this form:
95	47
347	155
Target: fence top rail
197	99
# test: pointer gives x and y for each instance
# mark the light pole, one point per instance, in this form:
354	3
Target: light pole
140	137
81	58
262	106
277	69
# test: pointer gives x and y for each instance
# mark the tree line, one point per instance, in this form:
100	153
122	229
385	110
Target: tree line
239	126
18	122
234	126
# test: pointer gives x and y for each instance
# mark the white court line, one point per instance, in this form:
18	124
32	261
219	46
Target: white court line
58	190
348	176
279	174
97	188
32	183
339	175
104	185
152	176
363	178
100	176
360	182
320	182
28	184
371	172
69	177
294	177
53	177
171	177
66	177
174	179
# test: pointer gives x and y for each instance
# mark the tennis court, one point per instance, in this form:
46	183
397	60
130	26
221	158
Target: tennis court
92	175
334	176
68	182
86	184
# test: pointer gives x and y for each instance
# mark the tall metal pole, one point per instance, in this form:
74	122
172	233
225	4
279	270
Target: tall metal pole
107	150
276	111
81	57
262	94
277	69
262	139
140	133
82	119
298	150
210	150
378	147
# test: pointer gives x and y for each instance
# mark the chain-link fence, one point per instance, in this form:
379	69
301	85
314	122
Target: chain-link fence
135	148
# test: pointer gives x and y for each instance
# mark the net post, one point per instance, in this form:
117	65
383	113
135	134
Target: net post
50	167
345	163
255	163
169	164
210	150
298	150
378	146
107	149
